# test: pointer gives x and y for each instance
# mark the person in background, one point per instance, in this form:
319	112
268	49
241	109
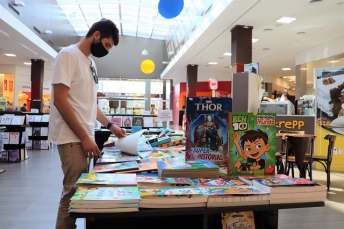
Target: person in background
285	98
74	109
23	108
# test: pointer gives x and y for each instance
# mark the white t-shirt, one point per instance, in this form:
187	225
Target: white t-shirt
72	68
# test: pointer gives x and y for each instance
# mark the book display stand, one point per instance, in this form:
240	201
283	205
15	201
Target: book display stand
38	139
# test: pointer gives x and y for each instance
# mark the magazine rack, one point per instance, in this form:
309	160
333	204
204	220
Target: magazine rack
40	137
266	217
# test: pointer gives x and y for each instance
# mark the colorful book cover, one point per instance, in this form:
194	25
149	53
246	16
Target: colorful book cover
146	165
28	144
175	164
37	118
243	220
217	182
45	118
284	181
156	123
127	121
14	155
44	144
23	138
44	131
252	144
207	129
158	154
107	179
5	137
148	122
14	137
232	190
138	121
165	180
31	118
18	120
117	120
170	192
135	129
255	177
36	144
36	131
115	167
28	130
108	158
106	193
4	156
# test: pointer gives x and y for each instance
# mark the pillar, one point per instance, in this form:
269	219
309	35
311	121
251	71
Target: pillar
301	82
148	95
37	76
191	80
241	47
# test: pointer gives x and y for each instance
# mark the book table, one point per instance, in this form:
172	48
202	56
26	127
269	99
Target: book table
265	216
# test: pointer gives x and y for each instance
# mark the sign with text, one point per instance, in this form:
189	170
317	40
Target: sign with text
165	115
213	84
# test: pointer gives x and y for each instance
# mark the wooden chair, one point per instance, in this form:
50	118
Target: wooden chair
296	150
326	160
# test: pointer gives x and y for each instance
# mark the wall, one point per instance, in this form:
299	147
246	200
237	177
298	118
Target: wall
7	92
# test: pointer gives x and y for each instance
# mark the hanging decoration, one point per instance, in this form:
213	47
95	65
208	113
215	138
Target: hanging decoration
147	66
170	9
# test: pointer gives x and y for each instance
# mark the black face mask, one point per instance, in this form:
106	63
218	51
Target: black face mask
98	50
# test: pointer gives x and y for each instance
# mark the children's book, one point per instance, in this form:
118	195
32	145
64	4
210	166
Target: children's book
207	129
105	179
14	155
252	144
232	190
30	118
115	167
163	182
108	158
189	165
145	165
28	131
28	144
45	118
18	120
44	131
44	144
135	129
37	118
243	220
148	122
36	144
14	137
249	178
127	121
138	121
5	137
4	156
117	120
6	119
156	123
36	131
106	195
217	182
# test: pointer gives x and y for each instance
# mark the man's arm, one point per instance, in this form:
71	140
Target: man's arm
118	132
66	111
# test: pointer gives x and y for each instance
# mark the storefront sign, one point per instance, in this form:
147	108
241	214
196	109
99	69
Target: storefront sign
291	124
165	115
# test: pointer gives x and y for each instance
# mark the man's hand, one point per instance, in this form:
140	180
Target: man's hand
118	132
237	164
90	147
236	137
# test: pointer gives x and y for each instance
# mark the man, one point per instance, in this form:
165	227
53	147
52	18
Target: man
74	109
23	108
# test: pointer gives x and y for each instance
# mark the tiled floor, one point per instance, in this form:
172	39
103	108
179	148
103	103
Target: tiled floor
30	191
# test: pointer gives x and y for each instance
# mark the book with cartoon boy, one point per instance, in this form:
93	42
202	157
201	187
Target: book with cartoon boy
252	144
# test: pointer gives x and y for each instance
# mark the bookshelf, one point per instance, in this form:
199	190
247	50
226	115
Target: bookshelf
38	132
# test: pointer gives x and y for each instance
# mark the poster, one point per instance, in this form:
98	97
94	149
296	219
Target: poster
330	113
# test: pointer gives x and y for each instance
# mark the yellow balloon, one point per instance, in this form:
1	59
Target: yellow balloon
147	66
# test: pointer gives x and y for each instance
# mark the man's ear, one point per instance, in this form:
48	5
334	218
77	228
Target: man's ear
267	147
96	35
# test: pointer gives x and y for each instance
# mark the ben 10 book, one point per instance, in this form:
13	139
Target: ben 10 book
252	144
207	129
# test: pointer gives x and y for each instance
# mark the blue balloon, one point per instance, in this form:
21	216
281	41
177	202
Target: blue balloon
170	8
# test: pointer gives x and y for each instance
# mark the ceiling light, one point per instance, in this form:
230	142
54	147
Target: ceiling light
47	31
286	69
286	20
212	62
333	61
303	69
227	54
27	63
254	40
284	77
165	62
145	52
9	54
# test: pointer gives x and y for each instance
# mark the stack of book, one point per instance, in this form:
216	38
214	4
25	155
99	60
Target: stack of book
172	198
248	179
217	182
116	167
106	179
147	182
191	169
105	200
291	190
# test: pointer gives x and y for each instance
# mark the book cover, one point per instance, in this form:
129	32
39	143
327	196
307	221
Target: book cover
36	131
148	122
44	144
170	192
252	144
207	129
37	118
4	156
146	165
156	123
117	120
216	182
138	121
106	194
18	120
23	138
28	130
284	181
177	181
94	179
232	190
44	131
115	167
249	178
242	220
1	143
127	121
36	144
45	118
14	155
135	129
30	118
197	164
6	119
109	158
5	137
14	137
29	144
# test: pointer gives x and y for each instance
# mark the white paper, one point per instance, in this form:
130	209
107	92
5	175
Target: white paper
128	144
165	115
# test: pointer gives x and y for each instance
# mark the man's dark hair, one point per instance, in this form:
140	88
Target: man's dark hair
286	95
106	28
24	104
252	135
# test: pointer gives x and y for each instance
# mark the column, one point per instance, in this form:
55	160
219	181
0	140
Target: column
301	82
241	47
191	80
37	75
148	95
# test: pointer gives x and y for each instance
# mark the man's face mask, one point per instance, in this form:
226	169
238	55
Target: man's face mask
98	49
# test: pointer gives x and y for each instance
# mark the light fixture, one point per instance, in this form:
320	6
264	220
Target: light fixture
213	63
303	69
333	61
10	54
170	53
145	52
165	62
254	40
284	77
286	69
27	63
286	20
245	27
18	3
227	54
47	31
